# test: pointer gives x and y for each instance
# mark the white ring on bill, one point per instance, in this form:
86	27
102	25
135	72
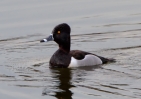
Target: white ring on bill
45	40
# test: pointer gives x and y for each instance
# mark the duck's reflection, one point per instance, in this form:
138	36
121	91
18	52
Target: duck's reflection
63	84
61	81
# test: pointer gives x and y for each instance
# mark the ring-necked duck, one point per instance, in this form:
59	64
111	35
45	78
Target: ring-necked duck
63	57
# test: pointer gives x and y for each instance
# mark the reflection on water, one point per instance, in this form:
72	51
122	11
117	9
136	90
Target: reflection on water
62	78
111	29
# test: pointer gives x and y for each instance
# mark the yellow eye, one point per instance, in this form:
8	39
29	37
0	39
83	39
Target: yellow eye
58	32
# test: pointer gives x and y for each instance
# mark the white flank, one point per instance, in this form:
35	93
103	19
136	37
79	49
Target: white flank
89	60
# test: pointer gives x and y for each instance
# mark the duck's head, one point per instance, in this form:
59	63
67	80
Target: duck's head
61	35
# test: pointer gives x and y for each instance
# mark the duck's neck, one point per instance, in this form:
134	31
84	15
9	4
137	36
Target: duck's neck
65	47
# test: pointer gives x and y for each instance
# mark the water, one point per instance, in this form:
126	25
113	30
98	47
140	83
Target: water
110	29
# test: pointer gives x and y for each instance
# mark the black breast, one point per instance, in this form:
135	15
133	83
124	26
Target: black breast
60	59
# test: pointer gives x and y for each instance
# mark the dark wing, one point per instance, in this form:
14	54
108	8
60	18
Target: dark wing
77	54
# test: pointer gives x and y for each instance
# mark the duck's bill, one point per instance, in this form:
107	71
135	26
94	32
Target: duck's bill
50	38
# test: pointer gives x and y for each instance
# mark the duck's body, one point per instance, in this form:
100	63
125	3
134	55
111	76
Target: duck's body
63	57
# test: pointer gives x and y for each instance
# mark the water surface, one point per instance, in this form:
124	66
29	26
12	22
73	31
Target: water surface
111	29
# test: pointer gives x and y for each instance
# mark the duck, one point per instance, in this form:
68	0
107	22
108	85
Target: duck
66	58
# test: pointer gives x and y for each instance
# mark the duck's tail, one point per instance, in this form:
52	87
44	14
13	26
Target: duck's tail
111	60
107	60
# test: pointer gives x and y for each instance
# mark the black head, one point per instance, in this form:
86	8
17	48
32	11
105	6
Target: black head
61	28
61	35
